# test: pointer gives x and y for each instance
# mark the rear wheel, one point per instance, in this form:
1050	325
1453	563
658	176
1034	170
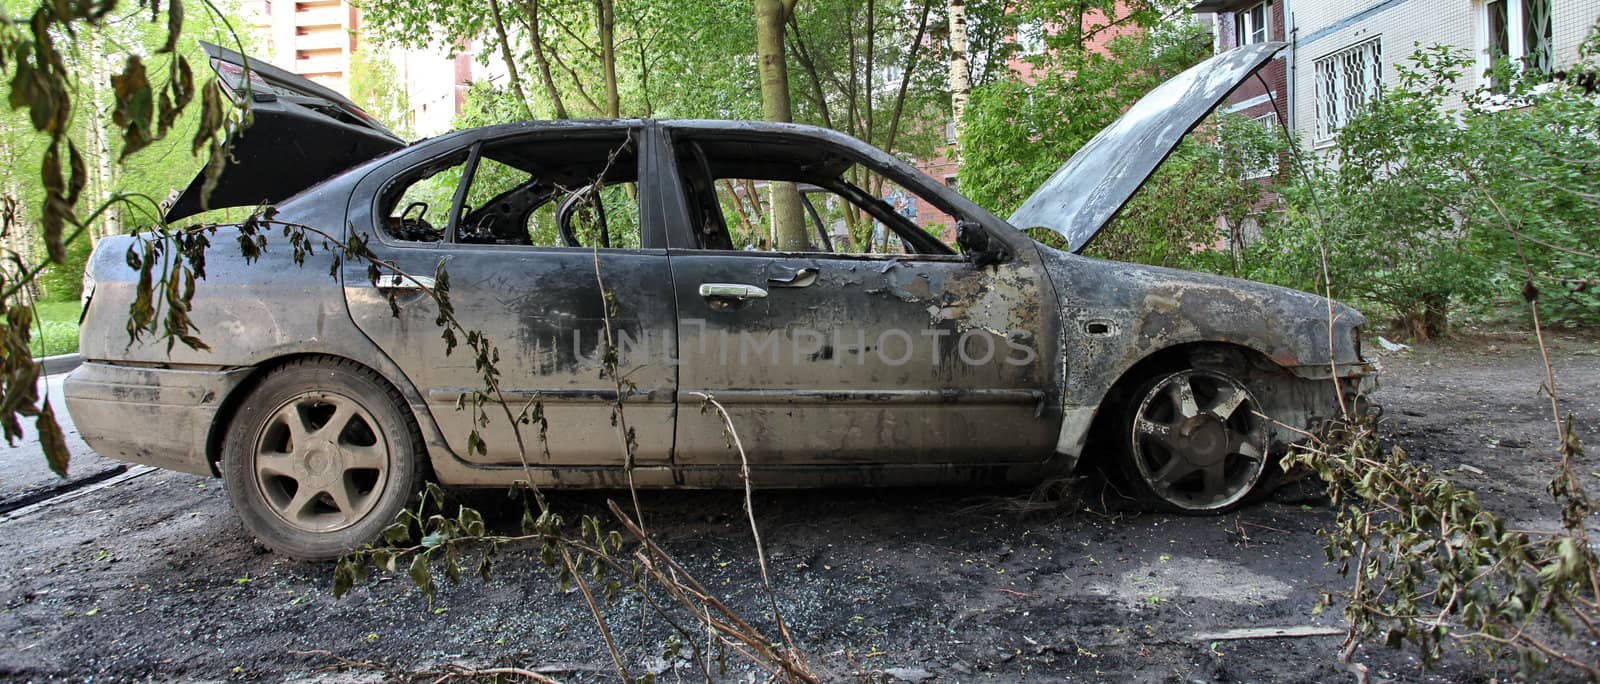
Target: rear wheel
1194	442
320	458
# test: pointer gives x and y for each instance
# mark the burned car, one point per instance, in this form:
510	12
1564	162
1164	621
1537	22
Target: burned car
880	356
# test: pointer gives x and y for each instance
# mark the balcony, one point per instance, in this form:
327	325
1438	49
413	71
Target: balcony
324	39
321	65
322	16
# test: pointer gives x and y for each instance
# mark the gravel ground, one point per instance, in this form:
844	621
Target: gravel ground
152	577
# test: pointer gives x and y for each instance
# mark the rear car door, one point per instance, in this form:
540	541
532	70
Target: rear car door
526	222
905	354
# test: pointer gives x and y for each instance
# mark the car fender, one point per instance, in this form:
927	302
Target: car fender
1116	316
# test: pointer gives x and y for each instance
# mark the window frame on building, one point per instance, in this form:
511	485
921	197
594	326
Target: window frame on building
1345	80
1270	120
1516	29
1249	28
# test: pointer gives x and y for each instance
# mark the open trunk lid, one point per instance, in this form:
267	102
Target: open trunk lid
1082	196
302	134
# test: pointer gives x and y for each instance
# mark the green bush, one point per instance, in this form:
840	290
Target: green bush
55	329
1016	134
1427	207
64	282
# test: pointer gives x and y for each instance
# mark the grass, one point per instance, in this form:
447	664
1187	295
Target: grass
59	321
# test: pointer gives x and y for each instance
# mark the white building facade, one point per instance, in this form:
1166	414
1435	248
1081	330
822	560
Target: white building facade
1343	52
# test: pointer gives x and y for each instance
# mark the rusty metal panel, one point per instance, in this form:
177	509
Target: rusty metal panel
1116	314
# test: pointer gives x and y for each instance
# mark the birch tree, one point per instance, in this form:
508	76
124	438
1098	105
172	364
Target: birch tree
960	77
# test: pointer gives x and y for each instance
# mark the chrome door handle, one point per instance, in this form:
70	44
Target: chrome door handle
395	281
731	291
800	277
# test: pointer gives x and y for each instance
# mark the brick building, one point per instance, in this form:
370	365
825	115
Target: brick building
945	162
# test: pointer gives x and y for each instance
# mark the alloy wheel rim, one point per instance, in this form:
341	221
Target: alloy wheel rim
1198	442
320	462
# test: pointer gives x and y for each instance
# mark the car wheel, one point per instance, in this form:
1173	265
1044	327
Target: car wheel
320	458
1194	441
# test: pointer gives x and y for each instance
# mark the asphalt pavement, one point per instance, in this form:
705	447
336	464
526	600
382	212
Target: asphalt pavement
25	477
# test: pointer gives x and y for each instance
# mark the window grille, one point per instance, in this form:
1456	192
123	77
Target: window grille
1346	81
1521	31
1268	165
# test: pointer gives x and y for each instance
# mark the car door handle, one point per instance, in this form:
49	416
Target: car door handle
731	291
800	277
395	281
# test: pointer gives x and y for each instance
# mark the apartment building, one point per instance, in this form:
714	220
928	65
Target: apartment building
319	39
1342	53
1247	22
312	38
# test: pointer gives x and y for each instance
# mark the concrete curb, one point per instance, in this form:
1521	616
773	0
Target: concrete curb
61	363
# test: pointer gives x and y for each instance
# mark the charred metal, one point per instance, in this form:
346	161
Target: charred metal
995	360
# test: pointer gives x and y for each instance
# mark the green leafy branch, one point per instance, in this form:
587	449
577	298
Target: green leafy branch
1431	565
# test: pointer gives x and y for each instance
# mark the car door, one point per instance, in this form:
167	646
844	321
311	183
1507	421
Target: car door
825	358
536	298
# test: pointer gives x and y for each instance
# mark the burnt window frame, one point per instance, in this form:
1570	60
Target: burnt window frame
902	227
652	237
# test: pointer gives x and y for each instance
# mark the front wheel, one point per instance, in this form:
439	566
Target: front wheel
1195	441
320	458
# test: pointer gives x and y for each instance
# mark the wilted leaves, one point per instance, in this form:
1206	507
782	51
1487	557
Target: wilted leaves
135	106
42	81
52	440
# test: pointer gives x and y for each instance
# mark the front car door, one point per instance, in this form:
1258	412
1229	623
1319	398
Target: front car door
522	218
890	349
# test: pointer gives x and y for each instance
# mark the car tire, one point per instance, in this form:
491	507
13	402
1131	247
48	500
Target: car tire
320	458
1193	442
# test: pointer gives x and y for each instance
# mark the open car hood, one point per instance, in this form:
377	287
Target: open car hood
302	134
1082	196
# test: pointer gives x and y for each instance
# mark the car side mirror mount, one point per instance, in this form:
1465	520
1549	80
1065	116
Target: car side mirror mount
979	246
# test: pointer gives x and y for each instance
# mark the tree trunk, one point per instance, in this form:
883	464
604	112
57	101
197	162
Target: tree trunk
787	228
1075	27
545	77
870	134
753	198
1428	318
960	76
739	211
104	178
809	64
608	55
913	52
510	60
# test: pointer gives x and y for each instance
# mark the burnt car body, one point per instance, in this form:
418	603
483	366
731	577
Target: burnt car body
324	400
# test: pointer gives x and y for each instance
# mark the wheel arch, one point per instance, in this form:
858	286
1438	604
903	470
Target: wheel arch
229	407
1210	354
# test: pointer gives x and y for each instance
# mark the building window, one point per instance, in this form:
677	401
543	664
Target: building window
1519	31
1265	165
1252	24
1030	38
1346	81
